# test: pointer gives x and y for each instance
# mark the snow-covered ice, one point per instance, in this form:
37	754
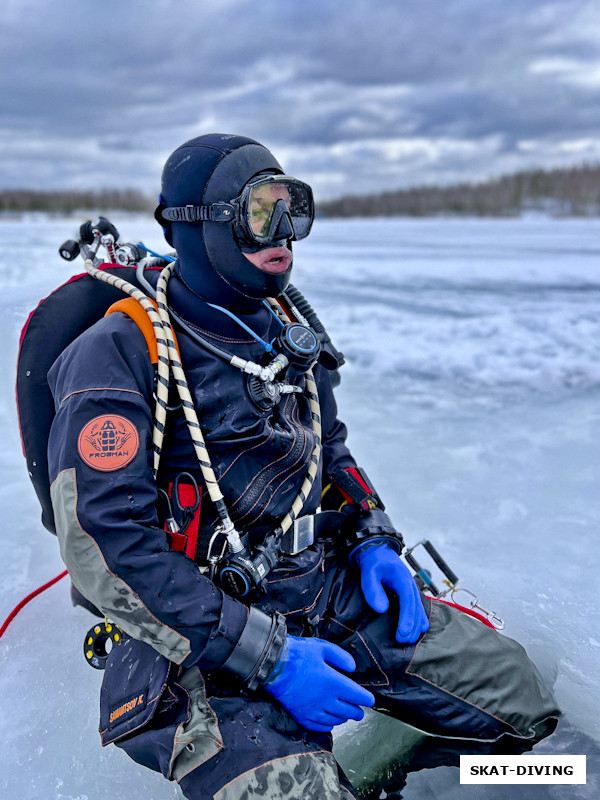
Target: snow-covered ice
472	395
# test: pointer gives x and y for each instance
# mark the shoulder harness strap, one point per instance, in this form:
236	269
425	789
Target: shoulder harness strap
133	309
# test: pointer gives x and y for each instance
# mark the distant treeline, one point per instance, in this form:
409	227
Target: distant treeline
559	192
61	202
571	191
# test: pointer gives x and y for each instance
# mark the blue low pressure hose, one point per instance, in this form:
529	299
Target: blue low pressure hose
226	311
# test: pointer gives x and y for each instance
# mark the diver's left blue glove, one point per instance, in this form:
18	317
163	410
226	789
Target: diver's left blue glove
381	568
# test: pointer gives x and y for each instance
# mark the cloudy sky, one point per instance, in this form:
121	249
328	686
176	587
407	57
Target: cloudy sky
351	95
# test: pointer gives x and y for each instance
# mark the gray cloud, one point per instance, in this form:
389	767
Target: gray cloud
355	96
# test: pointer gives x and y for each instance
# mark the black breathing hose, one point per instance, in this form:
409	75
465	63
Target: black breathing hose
331	358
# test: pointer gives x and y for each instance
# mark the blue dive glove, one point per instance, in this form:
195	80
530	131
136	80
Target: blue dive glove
308	685
380	569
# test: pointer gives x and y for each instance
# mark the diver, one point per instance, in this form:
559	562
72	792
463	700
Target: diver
244	646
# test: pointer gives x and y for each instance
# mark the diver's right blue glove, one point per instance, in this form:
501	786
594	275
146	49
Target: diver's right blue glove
308	685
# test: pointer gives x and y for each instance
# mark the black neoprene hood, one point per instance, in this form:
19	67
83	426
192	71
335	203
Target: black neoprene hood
208	169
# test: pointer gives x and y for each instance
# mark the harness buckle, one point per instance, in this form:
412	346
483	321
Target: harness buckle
300	536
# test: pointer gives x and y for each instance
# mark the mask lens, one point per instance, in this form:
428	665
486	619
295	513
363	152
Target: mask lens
264	208
262	202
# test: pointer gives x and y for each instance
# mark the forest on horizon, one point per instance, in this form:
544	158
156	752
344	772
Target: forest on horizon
567	191
570	192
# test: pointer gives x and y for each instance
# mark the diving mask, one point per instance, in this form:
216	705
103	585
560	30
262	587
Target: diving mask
271	208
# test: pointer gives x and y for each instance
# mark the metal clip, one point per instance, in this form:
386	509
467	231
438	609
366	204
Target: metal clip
494	619
450	580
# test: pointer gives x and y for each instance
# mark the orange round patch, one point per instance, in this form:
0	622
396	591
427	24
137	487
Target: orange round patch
108	442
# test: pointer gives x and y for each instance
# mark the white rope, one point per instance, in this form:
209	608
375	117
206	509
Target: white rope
189	410
168	361
162	385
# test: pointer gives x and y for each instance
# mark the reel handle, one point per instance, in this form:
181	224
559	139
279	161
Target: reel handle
439	561
423	576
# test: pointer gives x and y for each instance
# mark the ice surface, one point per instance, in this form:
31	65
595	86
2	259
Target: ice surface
472	395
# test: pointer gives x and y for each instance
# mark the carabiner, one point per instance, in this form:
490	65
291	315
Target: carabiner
171	523
185	512
493	618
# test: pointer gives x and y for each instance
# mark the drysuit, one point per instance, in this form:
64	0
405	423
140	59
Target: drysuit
168	697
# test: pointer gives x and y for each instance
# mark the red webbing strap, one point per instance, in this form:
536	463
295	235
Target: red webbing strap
187	542
471	612
355	498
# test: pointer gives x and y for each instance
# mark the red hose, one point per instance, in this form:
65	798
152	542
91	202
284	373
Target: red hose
29	597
